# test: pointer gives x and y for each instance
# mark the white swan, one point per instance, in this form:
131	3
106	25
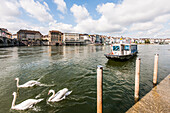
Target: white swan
60	95
30	83
24	105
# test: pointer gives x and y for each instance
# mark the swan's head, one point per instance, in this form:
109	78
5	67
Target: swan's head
14	93
50	91
17	79
65	90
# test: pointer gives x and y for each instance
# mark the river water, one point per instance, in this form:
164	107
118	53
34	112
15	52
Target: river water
74	67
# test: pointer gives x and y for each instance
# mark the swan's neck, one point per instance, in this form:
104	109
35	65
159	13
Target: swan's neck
17	82
14	99
52	95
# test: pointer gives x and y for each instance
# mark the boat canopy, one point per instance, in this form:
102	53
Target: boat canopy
123	49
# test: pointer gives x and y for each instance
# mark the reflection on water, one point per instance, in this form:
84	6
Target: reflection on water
74	67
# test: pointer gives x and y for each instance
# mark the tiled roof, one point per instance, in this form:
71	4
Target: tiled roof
55	31
28	31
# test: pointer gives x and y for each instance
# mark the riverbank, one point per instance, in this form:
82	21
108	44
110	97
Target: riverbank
156	101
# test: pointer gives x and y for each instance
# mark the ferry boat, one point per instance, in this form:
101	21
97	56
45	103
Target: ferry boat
122	51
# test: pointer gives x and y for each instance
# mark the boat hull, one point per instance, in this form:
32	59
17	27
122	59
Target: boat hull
120	57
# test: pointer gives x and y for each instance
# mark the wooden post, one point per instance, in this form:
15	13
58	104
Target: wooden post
99	88
137	76
155	69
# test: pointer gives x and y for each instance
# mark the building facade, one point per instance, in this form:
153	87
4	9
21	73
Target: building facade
72	39
97	39
86	38
45	40
55	37
5	38
29	37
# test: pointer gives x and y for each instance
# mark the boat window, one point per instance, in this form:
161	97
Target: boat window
116	48
134	48
126	47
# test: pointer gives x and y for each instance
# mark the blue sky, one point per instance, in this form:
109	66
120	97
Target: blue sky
128	18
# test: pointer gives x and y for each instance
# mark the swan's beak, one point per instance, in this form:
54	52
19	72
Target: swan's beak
48	93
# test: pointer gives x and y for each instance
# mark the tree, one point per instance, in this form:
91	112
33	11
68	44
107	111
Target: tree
147	41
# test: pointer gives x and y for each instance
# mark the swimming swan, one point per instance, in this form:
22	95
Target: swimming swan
30	83
60	95
24	105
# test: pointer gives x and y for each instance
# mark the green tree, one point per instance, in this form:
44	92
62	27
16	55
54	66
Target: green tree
147	41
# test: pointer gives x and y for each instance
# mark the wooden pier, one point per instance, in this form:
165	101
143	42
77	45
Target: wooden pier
156	101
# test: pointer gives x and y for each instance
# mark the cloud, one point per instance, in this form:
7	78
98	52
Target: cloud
136	16
79	12
85	23
142	26
60	27
133	11
133	18
9	8
61	5
46	6
37	10
165	33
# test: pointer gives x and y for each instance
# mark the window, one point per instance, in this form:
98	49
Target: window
116	48
126	47
134	48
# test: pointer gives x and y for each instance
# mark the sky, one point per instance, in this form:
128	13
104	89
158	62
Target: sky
127	18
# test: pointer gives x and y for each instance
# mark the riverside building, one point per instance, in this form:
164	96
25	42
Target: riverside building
72	39
5	38
29	37
55	37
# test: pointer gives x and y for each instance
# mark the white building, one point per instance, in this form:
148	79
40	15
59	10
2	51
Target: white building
86	38
70	37
14	36
167	41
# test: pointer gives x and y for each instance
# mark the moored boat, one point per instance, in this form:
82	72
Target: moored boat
122	51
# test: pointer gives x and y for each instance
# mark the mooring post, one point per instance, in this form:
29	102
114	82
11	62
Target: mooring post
99	88
137	76
155	74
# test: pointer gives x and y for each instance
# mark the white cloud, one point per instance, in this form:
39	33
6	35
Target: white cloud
60	26
155	30
134	11
9	8
36	10
61	5
79	12
85	23
163	34
141	17
134	18
46	6
10	12
162	18
142	26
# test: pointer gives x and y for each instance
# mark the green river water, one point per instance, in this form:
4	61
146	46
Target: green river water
74	67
